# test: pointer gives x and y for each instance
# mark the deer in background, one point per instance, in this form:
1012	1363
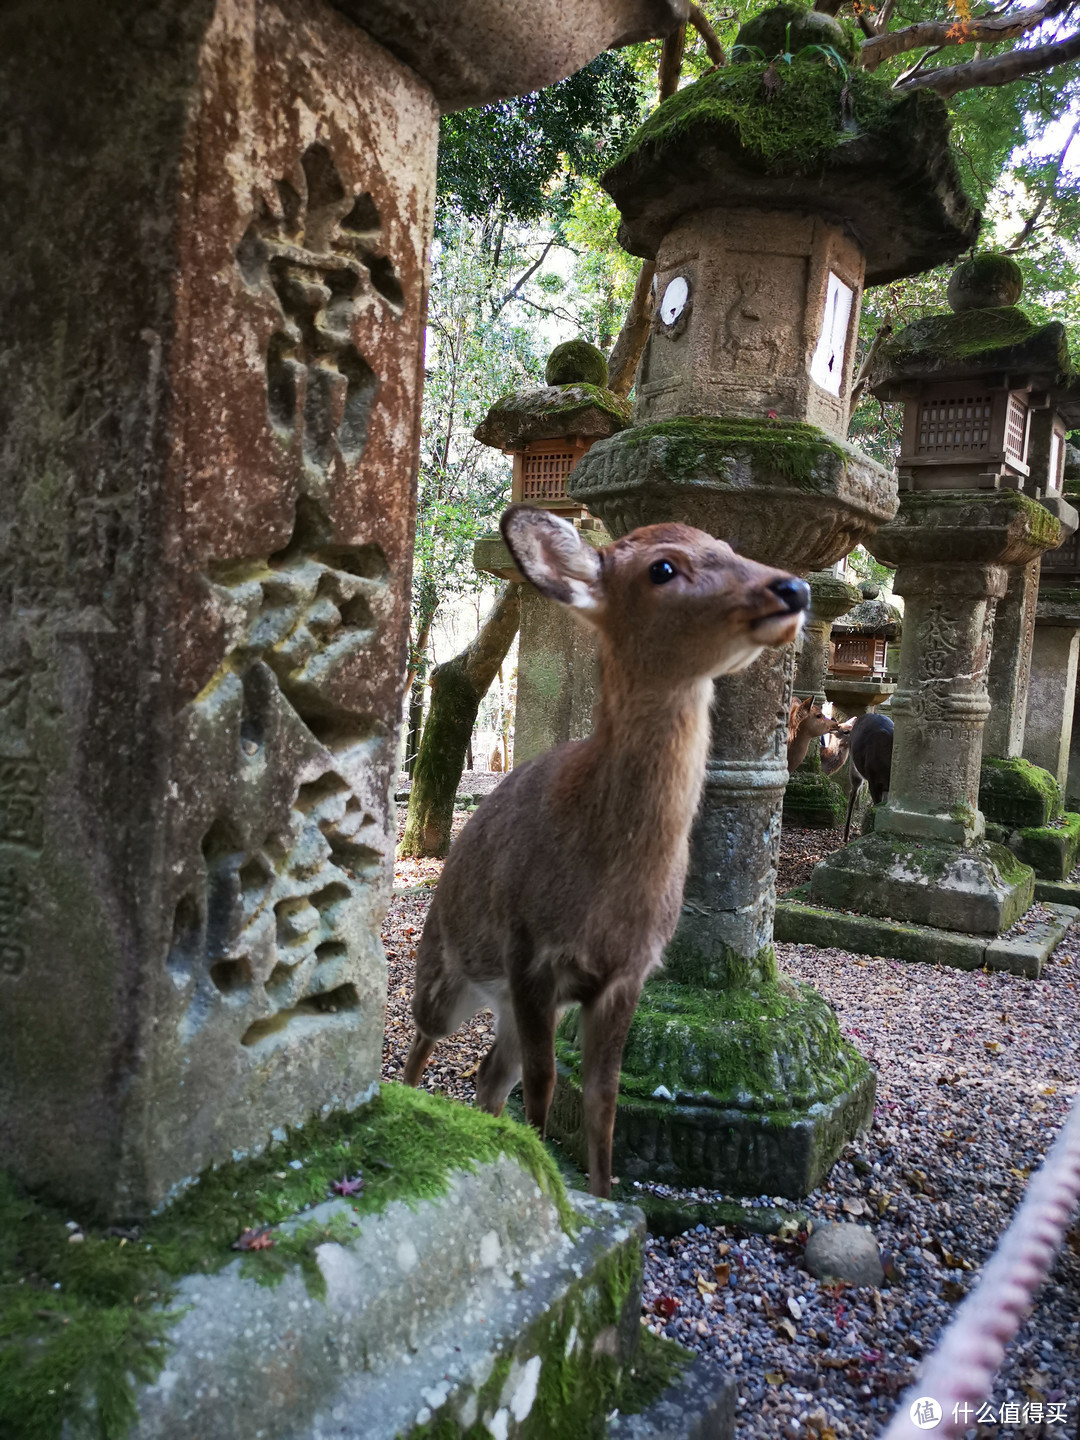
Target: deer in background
806	721
871	748
835	747
566	884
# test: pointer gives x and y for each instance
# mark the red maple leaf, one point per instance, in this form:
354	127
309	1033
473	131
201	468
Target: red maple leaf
345	1186
257	1238
666	1305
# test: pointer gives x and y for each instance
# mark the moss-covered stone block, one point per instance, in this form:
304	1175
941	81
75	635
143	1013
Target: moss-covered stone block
788	29
747	1090
1051	850
988	280
1018	794
553	412
980	890
815	802
576	361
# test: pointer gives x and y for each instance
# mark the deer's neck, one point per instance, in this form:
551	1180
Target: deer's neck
641	771
796	751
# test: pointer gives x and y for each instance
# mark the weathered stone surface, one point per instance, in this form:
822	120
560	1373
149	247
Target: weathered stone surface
452	1312
576	361
1052	686
210	413
985	282
976	344
888	177
981	889
699	1406
553	412
844	1252
1009	674
1052	850
484	50
812	798
558	677
785	495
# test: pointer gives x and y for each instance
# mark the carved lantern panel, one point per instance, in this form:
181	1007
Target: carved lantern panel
756	316
966	434
541	470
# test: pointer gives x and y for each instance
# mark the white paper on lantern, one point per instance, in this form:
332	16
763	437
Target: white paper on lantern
674	301
1054	477
827	366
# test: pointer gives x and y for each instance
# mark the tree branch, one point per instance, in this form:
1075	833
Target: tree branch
861	378
998	69
712	41
500	305
953	32
1031	224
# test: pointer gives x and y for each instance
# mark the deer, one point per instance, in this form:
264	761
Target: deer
834	748
806	721
870	750
566	884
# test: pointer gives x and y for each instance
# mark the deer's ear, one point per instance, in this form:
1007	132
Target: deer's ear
551	554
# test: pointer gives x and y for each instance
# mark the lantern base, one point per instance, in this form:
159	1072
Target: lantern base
814	801
750	1090
982	889
800	922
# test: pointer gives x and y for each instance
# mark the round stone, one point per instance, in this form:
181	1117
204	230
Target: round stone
985	282
576	362
789	28
844	1252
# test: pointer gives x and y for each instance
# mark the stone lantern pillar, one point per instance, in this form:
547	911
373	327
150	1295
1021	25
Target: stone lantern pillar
548	431
964	529
732	1075
865	645
812	798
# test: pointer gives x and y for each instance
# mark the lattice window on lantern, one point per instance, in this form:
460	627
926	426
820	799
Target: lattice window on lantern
1016	429
541	470
954	425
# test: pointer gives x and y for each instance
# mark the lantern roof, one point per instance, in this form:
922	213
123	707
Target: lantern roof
997	344
870	617
553	412
805	136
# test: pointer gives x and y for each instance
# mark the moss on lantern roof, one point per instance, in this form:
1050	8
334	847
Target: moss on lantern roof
790	27
576	362
783	130
871	617
973	342
808	136
553	412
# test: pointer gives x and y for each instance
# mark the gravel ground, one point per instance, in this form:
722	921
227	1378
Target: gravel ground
975	1075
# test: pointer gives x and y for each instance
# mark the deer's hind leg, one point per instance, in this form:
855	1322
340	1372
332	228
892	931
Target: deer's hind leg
500	1069
443	999
605	1025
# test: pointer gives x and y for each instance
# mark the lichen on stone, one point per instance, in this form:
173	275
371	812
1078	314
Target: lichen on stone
990	336
553	412
986	280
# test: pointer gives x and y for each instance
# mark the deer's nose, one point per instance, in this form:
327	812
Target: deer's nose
794	593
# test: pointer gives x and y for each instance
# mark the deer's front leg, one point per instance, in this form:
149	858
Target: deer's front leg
605	1024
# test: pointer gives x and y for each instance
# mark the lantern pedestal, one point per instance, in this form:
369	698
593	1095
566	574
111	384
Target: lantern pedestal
927	861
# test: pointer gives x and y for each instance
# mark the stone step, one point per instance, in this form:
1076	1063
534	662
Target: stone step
700	1405
474	1309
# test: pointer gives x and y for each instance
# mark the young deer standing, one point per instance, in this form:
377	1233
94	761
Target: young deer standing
566	884
806	722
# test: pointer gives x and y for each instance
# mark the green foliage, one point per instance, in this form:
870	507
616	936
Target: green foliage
79	1323
506	157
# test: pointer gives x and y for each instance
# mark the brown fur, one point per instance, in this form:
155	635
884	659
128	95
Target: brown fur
806	722
566	884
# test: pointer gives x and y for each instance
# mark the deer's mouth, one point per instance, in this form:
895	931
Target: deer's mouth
779	628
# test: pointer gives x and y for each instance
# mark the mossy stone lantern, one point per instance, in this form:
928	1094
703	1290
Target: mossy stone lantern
768	196
547	430
863	654
967	541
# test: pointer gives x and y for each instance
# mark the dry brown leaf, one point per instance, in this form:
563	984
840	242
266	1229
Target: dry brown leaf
774	1377
722	1273
785	1327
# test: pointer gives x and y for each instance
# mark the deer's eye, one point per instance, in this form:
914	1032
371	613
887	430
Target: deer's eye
661	571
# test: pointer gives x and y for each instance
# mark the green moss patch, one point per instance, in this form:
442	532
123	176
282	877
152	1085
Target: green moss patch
1052	850
1016	793
991	336
574	361
782	128
81	1323
800	454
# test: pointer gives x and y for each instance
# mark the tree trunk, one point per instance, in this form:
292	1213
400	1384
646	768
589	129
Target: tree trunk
415	723
456	691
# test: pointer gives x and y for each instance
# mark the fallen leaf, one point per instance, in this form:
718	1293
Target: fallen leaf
666	1305
787	1328
995	1047
774	1377
255	1239
723	1249
1020	1174
794	1308
883	1203
953	1290
705	1287
347	1186
853	1206
1047	1089
722	1273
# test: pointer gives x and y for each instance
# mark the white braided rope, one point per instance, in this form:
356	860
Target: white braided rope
961	1370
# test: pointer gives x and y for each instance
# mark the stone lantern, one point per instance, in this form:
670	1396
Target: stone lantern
547	431
966	529
733	1076
863	654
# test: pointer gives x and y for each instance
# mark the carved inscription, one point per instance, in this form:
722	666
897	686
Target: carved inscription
319	251
13	898
21	789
